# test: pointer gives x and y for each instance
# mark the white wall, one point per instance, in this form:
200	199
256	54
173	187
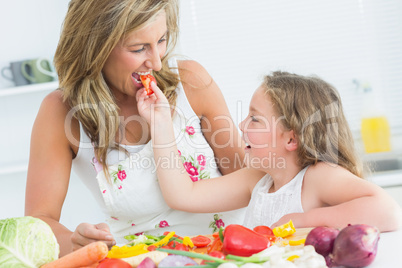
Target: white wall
239	41
31	29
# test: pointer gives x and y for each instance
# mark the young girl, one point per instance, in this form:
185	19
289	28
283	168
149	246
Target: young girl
301	162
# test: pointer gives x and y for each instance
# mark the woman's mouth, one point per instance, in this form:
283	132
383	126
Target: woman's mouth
136	76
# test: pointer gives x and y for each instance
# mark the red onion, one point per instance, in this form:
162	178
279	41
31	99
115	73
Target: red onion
147	263
322	238
356	245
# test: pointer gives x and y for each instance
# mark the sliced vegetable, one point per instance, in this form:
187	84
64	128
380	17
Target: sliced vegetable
176	245
284	230
192	255
216	245
146	82
241	241
264	230
156	256
151	248
356	245
141	239
215	254
297	242
200	241
165	240
127	251
85	256
113	263
187	241
147	263
176	261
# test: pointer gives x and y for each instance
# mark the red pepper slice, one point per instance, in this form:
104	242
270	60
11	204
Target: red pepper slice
215	246
200	241
264	230
216	254
241	241
151	248
146	82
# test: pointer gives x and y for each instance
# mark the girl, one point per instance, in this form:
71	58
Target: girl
301	162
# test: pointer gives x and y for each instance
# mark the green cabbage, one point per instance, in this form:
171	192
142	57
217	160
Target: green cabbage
26	242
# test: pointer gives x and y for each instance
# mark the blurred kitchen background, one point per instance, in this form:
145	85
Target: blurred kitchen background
353	44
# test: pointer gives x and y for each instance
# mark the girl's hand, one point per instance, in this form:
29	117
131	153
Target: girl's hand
153	107
298	220
87	233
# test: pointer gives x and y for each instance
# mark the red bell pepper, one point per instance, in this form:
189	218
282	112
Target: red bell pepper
241	241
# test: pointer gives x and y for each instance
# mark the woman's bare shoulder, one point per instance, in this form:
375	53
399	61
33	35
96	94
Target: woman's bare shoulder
54	100
193	74
55	117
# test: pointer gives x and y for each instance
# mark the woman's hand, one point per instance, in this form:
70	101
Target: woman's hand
87	233
153	107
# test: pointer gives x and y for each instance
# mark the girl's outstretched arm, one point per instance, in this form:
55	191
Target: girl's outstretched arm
228	192
332	196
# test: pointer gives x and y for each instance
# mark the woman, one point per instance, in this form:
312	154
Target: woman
92	122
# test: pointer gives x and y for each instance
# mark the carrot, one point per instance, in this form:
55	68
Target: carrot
85	256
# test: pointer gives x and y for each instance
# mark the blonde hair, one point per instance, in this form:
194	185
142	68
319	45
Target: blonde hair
312	108
91	29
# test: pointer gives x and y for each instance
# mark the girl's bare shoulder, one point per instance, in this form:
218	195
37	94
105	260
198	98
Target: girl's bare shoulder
324	171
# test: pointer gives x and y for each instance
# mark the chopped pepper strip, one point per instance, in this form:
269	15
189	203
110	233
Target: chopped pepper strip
284	230
126	251
291	258
130	251
164	240
297	242
187	242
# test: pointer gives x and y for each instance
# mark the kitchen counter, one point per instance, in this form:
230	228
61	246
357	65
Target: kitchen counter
387	179
388	252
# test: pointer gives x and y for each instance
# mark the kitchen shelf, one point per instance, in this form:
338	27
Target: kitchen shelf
12	91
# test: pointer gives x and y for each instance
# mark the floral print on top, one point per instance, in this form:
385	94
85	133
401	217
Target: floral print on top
195	167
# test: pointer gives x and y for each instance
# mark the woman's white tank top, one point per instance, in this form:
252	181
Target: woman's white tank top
132	201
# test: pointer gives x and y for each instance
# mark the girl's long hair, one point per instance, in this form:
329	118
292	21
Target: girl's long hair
91	29
312	108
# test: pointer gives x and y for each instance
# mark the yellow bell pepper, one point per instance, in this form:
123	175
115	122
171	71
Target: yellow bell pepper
126	251
297	242
284	230
164	240
187	242
291	258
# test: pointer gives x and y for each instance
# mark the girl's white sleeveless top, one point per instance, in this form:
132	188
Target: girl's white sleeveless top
132	201
267	208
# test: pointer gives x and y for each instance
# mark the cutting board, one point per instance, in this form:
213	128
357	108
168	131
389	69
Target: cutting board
301	233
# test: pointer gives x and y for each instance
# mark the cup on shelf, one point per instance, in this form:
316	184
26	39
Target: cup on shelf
38	70
15	73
